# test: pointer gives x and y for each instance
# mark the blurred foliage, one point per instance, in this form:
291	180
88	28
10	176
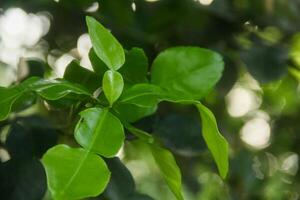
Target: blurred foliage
256	37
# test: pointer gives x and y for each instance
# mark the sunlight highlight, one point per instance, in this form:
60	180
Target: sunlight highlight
62	63
20	31
205	2
256	133
93	8
84	45
241	101
290	164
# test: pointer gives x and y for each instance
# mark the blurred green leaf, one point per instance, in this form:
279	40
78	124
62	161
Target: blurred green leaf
295	49
121	184
138	196
100	131
98	65
22	179
187	73
135	67
80	75
29	137
265	62
216	143
164	159
180	133
68	168
113	85
108	49
169	169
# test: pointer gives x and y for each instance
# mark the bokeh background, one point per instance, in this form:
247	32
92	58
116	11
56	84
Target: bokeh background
256	103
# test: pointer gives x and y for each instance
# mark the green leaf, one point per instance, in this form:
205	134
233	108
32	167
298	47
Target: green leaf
8	96
98	65
133	113
112	85
47	89
135	68
142	95
142	135
169	169
74	173
100	131
121	183
265	62
82	76
138	101
163	158
106	46
187	73
24	101
180	132
57	89
216	143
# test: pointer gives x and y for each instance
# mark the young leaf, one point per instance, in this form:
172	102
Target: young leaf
216	143
82	76
112	85
106	46
169	169
69	170
187	73
100	131
135	67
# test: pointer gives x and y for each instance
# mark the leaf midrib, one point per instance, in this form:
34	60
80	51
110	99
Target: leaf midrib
87	151
124	100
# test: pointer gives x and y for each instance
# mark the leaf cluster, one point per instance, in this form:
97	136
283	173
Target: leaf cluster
118	92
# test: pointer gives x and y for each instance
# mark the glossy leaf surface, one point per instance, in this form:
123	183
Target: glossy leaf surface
100	131
68	168
216	143
112	85
8	96
187	73
142	95
106	46
56	89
